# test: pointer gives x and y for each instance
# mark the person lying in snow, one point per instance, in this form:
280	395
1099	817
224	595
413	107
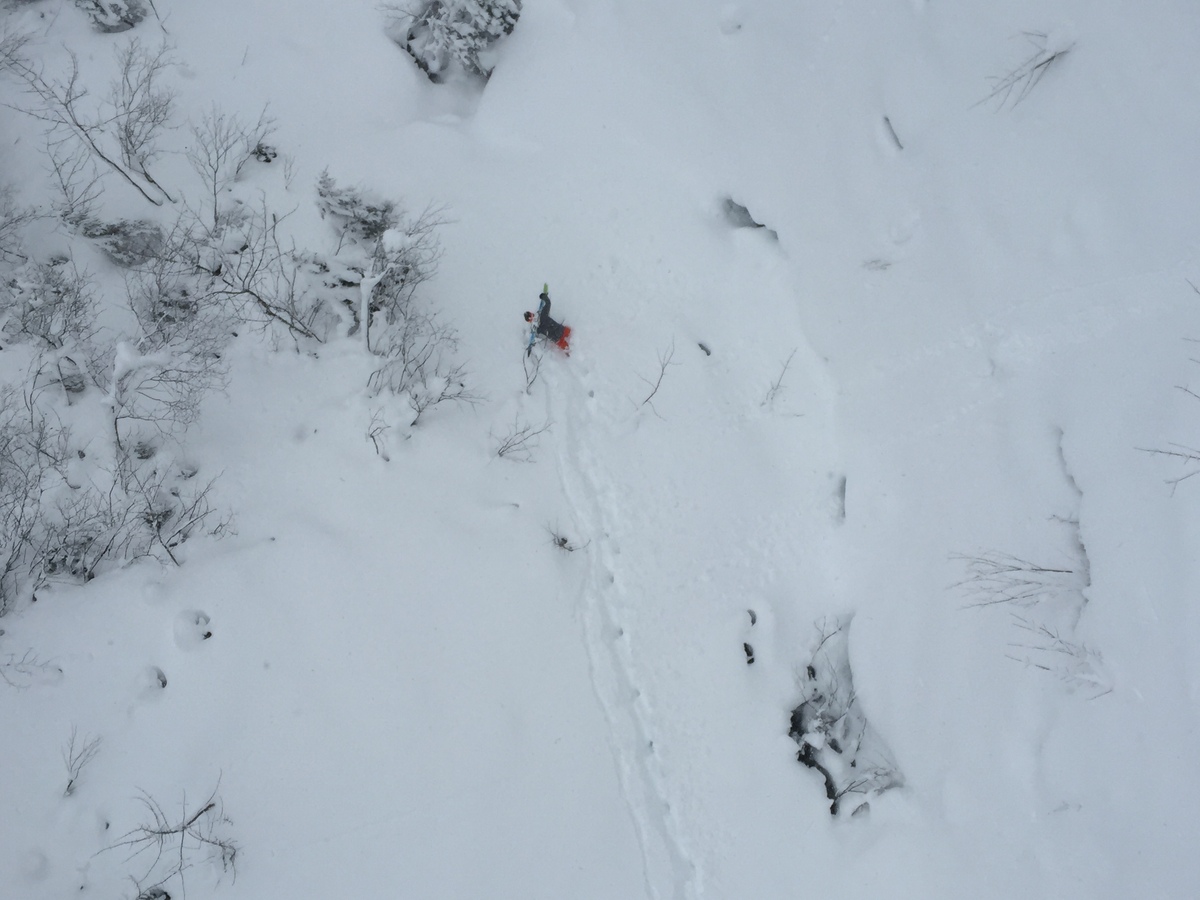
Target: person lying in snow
545	326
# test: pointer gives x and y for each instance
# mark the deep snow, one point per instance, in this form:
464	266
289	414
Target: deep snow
410	690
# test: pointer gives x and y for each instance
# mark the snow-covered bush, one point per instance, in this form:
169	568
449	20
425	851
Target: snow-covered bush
51	305
127	242
834	735
354	214
54	529
386	254
112	16
405	257
441	34
84	480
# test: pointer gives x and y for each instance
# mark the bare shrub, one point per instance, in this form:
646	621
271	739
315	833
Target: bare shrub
121	131
77	178
387	256
261	277
1187	456
13	219
142	106
169	845
173	508
12	46
21	671
222	144
76	754
994	578
33	450
419	363
1075	663
377	431
1014	86
173	309
519	442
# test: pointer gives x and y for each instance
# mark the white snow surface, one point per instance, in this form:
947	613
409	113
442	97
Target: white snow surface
410	691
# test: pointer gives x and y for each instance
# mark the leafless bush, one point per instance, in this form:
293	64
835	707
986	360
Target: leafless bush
52	528
1076	664
77	178
33	450
85	528
520	441
1188	457
13	219
78	752
994	578
1016	85
173	309
21	671
121	131
418	362
377	434
173	844
261	278
173	509
222	144
142	107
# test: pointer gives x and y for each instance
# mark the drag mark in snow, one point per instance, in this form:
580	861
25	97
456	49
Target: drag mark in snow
669	871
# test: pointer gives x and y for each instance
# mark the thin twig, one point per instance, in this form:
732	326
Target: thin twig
664	360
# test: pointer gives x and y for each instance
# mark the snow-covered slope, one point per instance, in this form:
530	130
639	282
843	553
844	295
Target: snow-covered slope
826	445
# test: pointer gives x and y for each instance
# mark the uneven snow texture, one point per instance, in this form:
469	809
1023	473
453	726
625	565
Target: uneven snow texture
960	322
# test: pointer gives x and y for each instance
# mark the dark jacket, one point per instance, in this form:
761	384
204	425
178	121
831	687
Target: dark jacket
547	326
